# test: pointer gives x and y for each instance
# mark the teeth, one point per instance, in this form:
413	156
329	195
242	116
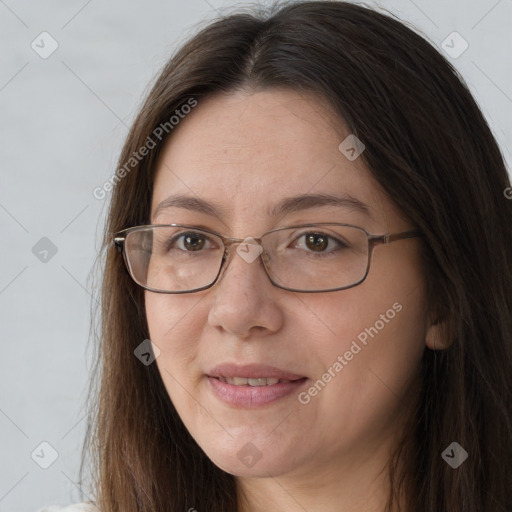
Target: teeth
243	381
262	382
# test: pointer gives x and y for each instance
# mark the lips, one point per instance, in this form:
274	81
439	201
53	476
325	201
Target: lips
253	385
252	374
244	381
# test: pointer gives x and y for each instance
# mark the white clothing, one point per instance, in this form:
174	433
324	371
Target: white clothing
77	507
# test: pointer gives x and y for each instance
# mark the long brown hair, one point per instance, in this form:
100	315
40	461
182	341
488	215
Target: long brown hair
430	148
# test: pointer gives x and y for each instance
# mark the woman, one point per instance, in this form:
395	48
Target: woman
300	359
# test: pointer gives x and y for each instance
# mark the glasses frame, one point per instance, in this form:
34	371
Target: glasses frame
372	241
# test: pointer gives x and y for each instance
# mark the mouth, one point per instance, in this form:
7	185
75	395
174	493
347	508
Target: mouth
251	374
255	382
254	385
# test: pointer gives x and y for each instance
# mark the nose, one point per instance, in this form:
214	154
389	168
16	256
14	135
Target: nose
245	303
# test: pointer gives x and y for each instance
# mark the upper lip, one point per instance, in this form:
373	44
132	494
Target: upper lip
252	371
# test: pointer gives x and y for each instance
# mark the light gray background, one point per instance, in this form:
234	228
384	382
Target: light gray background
62	123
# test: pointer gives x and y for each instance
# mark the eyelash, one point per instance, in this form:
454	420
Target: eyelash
322	254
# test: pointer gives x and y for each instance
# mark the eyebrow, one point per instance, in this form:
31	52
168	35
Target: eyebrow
285	206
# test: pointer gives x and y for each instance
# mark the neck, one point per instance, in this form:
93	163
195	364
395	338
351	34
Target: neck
355	481
361	484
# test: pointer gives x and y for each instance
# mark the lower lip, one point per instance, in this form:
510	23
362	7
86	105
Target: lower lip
253	396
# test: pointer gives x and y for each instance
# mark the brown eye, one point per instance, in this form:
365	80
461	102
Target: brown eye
192	241
316	241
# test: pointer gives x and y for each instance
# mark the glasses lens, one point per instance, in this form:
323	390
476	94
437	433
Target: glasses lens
317	258
308	258
173	258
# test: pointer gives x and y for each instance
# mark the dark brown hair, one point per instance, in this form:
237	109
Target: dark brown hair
430	148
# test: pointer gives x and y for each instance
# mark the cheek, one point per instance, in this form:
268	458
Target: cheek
175	335
375	357
169	318
368	339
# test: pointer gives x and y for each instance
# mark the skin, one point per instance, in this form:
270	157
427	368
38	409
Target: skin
247	150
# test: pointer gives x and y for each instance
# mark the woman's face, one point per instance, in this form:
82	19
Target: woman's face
356	350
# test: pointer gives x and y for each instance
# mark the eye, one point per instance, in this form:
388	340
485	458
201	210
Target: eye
189	242
318	242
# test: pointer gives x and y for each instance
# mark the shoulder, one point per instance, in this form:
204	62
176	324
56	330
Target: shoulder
77	507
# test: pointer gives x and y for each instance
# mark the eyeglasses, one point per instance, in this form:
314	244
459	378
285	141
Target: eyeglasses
321	257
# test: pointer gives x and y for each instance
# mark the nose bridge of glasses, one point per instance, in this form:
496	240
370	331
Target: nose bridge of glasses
249	255
228	242
231	243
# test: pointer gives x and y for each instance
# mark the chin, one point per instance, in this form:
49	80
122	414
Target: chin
249	462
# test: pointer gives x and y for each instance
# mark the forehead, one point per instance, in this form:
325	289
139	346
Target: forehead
246	151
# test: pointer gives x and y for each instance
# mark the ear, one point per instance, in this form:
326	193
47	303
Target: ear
437	337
